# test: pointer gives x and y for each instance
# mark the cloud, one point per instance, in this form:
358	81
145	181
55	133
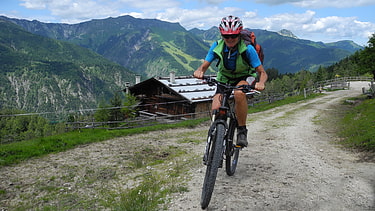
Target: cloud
34	4
320	3
307	24
150	5
73	11
215	2
333	3
204	18
209	13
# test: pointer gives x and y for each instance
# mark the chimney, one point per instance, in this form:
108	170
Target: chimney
127	85
172	77
137	79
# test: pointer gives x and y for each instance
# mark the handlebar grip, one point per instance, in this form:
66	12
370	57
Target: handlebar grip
210	81
248	88
252	86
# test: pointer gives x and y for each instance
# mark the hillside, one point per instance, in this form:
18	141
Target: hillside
154	48
148	47
289	54
42	74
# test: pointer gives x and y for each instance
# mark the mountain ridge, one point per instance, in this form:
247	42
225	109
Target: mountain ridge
42	74
59	67
152	47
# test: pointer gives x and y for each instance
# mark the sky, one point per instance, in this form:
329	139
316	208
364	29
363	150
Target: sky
316	20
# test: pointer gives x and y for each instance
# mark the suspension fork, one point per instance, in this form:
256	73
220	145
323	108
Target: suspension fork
211	133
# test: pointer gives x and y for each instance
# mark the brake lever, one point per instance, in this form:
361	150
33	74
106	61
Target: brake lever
249	89
210	81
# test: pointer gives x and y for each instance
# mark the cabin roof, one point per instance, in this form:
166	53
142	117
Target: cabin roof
192	89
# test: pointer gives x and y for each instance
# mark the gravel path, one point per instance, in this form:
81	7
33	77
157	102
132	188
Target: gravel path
291	163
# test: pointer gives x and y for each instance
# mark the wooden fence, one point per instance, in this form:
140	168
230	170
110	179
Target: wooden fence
340	82
148	119
371	91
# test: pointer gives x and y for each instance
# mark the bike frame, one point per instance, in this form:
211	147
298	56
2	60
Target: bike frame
224	112
220	141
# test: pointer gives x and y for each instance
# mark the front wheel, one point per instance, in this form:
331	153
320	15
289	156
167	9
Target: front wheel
214	160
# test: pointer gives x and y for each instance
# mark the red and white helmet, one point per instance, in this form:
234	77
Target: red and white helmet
230	25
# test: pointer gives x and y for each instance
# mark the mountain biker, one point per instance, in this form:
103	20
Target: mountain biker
233	70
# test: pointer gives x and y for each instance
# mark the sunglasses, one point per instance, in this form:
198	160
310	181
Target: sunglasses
227	36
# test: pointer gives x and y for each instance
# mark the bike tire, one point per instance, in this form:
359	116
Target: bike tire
232	160
232	152
214	160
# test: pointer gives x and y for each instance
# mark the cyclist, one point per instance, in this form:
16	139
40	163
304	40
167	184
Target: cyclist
233	69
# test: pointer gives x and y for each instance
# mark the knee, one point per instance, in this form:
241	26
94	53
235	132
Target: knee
216	102
239	96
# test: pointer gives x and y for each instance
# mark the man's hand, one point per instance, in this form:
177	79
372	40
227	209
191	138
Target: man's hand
198	74
260	86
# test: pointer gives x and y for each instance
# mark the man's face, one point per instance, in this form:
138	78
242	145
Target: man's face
231	40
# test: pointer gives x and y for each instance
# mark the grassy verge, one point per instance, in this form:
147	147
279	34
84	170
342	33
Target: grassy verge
358	126
18	151
145	181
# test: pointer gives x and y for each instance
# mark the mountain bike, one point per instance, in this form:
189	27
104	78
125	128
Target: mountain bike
221	139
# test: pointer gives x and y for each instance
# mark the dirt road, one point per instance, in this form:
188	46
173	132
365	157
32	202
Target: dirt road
292	163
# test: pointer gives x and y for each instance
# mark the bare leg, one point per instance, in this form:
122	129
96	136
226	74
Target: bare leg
216	101
241	105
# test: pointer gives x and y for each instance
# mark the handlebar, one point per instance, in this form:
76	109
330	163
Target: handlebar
244	88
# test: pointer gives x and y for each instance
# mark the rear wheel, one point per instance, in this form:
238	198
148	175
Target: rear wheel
232	152
214	160
232	160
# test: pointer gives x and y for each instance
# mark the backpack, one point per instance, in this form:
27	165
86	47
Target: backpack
249	38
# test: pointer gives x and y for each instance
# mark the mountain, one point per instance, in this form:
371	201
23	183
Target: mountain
287	33
345	45
152	47
285	52
41	74
147	46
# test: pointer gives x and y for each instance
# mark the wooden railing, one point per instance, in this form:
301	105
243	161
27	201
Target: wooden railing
147	119
342	80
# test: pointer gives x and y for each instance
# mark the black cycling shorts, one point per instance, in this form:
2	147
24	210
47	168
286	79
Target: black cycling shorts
219	89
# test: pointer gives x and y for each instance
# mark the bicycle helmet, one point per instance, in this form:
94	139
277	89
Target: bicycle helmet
230	25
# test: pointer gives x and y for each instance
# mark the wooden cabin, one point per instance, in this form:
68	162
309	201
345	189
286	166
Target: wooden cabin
172	95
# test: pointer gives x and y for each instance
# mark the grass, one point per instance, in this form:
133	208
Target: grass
155	186
358	126
161	173
148	195
18	151
167	172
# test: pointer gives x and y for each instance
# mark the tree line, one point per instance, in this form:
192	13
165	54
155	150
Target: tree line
361	63
24	127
